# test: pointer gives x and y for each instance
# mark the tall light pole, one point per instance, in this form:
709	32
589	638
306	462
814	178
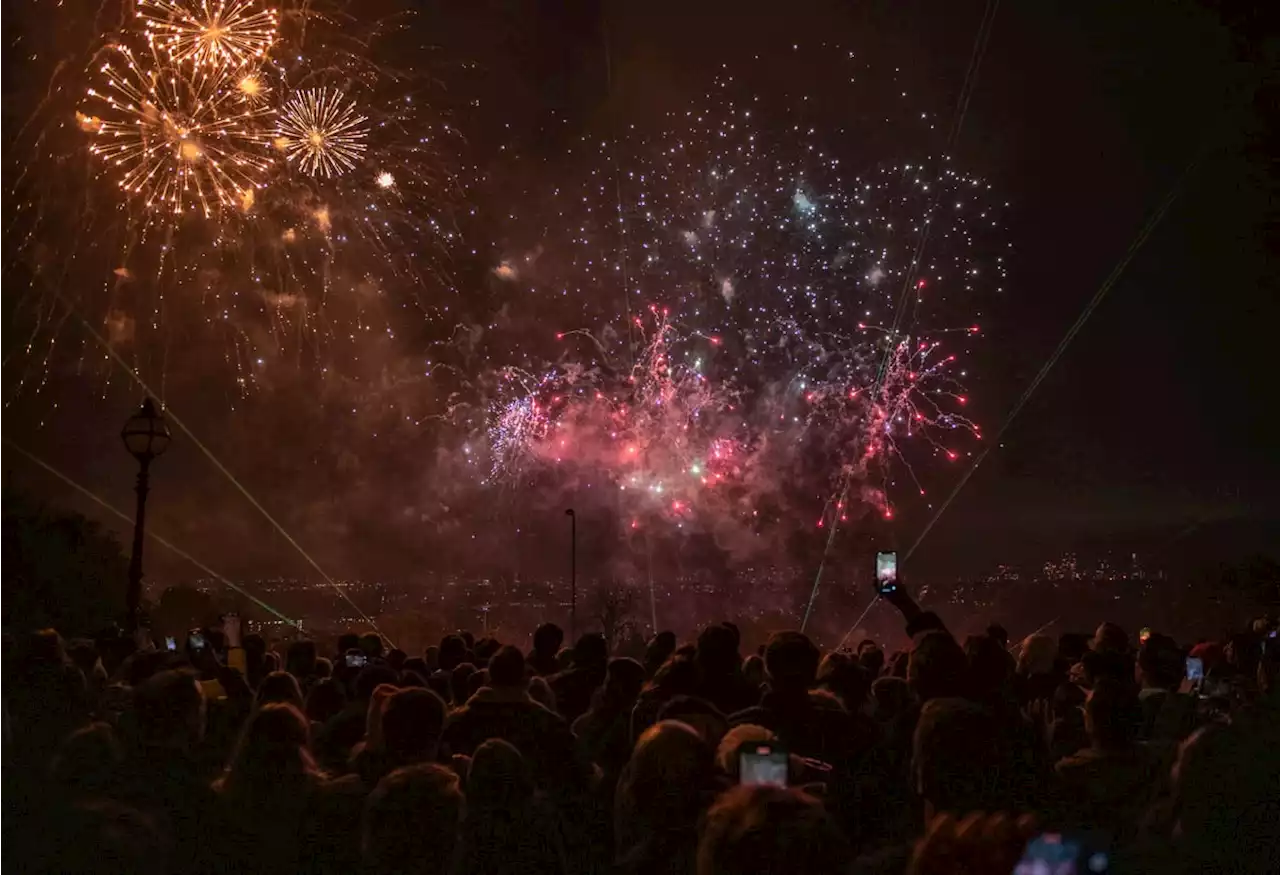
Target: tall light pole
146	437
573	575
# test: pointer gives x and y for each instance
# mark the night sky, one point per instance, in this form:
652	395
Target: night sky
1155	431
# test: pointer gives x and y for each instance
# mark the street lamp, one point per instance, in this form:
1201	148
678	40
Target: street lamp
573	575
146	436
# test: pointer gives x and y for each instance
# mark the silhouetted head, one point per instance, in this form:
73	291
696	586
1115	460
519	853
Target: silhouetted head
86	761
453	652
1160	662
370	678
957	758
622	682
458	682
325	700
1110	638
279	686
717	650
1037	655
706	718
754	829
590	651
891	696
371	644
169	710
665	786
1111	714
300	661
396	658
499	779
547	640
271	757
936	667
506	668
348	641
412	720
840	674
411	820
791	661
659	650
999	635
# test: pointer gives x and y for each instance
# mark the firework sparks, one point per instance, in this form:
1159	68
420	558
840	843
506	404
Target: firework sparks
320	131
811	342
180	142
227	32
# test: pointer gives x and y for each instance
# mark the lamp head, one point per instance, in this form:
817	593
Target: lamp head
146	434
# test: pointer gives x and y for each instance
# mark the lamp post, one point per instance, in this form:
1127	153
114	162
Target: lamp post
573	575
146	436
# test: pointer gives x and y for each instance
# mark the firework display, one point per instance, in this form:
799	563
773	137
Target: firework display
257	218
181	143
217	34
806	358
321	131
718	326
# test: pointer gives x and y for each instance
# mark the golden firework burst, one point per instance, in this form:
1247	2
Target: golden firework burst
180	142
320	131
210	32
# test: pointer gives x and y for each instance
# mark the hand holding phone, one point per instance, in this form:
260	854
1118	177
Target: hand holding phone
356	659
886	580
1195	669
763	762
195	640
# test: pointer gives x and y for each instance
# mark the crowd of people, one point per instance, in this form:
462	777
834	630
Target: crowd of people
477	757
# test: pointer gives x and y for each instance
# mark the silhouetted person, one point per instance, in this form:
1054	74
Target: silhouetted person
678	676
658	651
300	661
411	822
325	700
810	726
161	775
267	791
1110	783
279	687
546	644
504	710
508	828
669	782
719	664
574	686
604	733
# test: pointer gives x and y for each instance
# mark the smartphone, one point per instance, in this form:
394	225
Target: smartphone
1195	669
195	640
1144	634
763	762
1052	853
886	573
356	660
170	643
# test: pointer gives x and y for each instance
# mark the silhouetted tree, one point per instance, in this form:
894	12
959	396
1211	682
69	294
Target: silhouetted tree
612	603
61	569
